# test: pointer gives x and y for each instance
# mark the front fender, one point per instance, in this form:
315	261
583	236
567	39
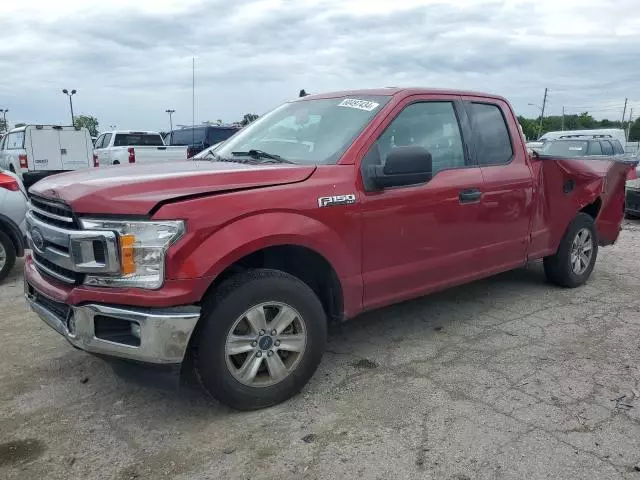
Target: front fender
197	257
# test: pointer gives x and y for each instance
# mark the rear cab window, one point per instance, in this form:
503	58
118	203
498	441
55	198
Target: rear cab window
138	140
493	144
595	148
567	148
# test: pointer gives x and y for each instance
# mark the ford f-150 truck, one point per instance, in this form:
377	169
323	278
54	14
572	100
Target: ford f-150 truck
330	205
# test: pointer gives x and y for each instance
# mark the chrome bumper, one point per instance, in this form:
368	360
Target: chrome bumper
164	333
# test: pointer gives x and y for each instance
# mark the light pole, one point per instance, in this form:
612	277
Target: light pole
170	112
73	92
4	118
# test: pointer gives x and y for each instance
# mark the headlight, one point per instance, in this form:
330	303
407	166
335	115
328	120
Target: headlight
142	246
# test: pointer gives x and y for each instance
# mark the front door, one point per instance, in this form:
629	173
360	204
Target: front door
420	238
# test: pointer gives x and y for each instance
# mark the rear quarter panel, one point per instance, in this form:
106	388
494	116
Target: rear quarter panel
555	208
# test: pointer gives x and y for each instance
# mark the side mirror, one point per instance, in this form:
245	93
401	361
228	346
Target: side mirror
404	166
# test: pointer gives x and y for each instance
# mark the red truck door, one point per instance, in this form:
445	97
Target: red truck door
421	237
507	202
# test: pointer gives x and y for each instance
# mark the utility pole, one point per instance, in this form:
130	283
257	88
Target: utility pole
193	100
4	118
544	104
562	128
629	126
624	111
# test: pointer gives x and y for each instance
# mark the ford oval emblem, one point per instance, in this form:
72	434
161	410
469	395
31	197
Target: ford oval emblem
37	239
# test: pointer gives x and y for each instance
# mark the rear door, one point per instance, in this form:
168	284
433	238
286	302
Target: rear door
104	156
43	151
507	202
75	149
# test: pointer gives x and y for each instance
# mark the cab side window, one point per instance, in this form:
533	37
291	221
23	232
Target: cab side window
607	148
98	143
617	147
493	143
431	125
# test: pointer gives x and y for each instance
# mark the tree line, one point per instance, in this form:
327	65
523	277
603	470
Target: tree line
583	121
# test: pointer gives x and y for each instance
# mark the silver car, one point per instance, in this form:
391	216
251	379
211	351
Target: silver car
13	208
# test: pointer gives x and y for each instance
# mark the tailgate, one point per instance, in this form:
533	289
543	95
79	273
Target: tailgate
160	154
609	220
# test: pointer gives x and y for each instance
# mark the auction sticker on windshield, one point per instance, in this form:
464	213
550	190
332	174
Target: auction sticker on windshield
359	104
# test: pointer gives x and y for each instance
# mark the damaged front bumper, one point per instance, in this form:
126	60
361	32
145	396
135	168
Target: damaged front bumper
157	336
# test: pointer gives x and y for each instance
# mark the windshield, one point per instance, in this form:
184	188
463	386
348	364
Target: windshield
566	148
308	131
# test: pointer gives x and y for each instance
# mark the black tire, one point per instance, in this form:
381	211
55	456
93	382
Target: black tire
116	162
236	296
631	216
10	251
558	268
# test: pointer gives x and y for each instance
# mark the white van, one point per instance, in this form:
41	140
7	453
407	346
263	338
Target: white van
36	151
616	133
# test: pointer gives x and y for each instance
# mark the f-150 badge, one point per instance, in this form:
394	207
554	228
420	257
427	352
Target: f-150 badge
336	200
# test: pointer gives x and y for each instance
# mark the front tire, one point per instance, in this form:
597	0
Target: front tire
572	264
7	255
262	339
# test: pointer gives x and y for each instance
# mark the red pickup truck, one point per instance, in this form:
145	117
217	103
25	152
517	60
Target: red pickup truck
327	206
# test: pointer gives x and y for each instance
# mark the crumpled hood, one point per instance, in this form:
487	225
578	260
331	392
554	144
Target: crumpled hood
136	189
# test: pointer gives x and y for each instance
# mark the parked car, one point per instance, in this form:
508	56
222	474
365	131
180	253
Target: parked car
13	209
123	147
200	137
588	146
616	133
328	206
36	151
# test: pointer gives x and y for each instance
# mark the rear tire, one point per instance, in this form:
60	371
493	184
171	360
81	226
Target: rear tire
7	255
572	264
243	306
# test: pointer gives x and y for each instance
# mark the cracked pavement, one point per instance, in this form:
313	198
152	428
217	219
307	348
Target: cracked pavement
509	377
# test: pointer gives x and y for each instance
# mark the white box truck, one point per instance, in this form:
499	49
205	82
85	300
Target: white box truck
36	151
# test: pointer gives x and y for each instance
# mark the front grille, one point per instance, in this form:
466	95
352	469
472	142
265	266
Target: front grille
53	213
59	309
51	270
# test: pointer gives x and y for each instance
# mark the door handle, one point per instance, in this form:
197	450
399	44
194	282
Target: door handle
471	195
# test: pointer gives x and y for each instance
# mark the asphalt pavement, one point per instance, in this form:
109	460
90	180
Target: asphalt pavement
507	378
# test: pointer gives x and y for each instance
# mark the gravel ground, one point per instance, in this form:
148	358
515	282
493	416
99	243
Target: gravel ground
504	378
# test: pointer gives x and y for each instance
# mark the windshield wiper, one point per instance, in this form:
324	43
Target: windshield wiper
261	154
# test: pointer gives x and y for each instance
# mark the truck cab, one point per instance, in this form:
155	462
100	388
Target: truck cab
330	205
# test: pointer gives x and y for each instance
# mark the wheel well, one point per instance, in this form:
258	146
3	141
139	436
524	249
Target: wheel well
301	262
593	208
11	233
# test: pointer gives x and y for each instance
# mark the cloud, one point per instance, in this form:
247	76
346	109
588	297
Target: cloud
130	63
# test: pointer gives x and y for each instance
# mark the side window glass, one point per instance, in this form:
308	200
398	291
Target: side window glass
98	143
595	148
607	148
106	140
617	147
493	143
431	125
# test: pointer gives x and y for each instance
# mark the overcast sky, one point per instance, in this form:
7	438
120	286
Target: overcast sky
130	62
